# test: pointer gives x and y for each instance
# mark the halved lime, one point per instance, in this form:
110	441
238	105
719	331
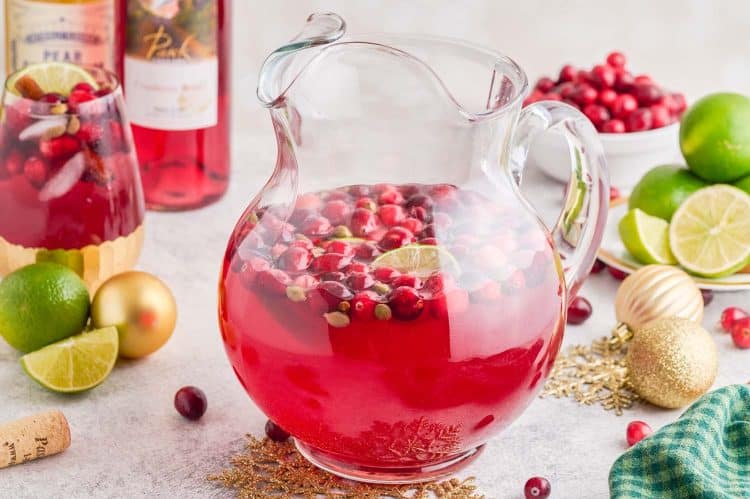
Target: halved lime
57	77
710	232
74	364
646	237
422	260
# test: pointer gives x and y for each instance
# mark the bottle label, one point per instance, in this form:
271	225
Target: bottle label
171	65
80	33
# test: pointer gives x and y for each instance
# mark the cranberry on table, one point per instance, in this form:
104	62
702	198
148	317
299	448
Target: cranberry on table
275	432
741	333
614	193
597	267
730	315
579	310
537	487
708	296
617	273
190	402
637	431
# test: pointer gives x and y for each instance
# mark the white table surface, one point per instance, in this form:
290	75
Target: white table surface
128	441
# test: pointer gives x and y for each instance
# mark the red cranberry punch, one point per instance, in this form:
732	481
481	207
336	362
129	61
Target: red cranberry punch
69	185
389	299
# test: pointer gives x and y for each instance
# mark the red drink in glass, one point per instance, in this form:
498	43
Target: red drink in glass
371	367
69	185
174	61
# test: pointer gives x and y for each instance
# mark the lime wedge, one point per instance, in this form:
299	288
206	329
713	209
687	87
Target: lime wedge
422	260
710	231
58	77
74	364
646	237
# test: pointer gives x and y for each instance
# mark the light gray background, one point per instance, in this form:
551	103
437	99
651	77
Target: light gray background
127	439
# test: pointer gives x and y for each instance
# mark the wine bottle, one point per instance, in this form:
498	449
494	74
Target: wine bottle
173	56
76	31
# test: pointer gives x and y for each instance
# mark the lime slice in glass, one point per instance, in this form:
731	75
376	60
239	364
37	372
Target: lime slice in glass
710	232
646	237
75	364
422	260
57	77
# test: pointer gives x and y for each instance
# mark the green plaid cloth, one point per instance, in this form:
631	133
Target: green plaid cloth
703	455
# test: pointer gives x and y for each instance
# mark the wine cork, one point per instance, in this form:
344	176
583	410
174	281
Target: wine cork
33	437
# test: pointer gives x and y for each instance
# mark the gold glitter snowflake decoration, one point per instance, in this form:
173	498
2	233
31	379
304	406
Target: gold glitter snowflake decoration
594	374
269	469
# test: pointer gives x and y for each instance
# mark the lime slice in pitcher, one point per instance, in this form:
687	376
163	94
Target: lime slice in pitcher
422	260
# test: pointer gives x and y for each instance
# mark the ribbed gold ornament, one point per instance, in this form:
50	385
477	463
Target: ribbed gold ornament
656	291
671	362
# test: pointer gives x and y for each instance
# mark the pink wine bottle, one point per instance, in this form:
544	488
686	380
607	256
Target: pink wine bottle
173	56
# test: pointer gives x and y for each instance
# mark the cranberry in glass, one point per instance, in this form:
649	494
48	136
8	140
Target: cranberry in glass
35	171
613	126
616	59
708	296
567	73
639	120
275	432
579	310
637	431
363	305
190	402
624	105
741	333
730	315
537	487
391	214
396	237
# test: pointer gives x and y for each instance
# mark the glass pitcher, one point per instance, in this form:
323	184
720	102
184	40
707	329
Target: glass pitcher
389	298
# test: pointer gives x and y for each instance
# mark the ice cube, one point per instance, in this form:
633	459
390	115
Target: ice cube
50	127
64	180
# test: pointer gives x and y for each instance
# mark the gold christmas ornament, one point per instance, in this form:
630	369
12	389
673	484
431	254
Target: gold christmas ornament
672	361
656	291
142	309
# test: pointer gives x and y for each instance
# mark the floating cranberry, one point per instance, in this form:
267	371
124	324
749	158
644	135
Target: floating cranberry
396	237
35	171
59	148
337	196
309	201
567	73
391	197
429	241
275	432
639	120
330	262
341	247
624	105
386	274
391	214
359	191
420	200
729	316
413	225
336	211
190	402
363	305
660	116
306	281
585	94
708	296
435	284
616	59
295	259
302	243
617	273
358	267
359	281
613	126
603	76
273	281
597	267
545	84
367	251
488	291
647	94
637	431
409	280
607	97
597	114
277	250
90	132
316	226
579	310
428	231
363	222
334	293
741	333
614	193
52	98
405	303
333	276
537	487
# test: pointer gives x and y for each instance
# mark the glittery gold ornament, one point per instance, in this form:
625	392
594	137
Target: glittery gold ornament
142	309
671	362
656	291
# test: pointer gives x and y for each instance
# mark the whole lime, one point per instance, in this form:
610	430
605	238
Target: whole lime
40	304
715	137
662	189
744	184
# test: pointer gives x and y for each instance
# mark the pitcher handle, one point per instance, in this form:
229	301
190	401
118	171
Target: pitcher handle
578	231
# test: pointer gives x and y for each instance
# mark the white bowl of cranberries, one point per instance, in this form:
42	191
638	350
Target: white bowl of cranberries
637	119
